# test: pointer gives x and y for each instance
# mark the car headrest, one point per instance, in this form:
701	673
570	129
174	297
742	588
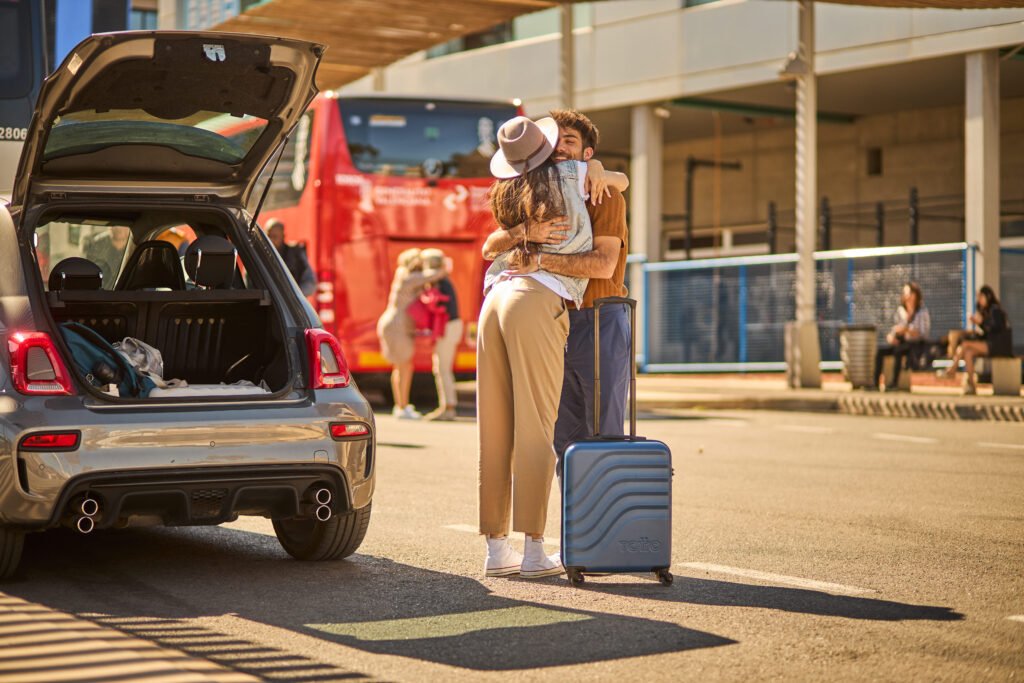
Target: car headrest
153	265
75	273
210	262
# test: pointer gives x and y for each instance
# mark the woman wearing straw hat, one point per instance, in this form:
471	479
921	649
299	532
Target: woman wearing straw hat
521	336
396	330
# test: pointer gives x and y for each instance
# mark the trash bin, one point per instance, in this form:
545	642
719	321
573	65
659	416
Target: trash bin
857	345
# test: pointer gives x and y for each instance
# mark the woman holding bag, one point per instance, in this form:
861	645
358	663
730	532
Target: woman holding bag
396	330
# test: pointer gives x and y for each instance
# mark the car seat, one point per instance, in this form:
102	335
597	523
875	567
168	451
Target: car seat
75	273
153	265
210	262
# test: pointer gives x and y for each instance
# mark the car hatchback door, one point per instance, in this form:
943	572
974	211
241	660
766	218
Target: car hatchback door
155	111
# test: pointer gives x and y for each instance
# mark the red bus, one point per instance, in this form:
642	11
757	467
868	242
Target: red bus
366	177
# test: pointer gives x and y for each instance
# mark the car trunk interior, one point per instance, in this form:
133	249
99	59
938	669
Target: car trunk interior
174	279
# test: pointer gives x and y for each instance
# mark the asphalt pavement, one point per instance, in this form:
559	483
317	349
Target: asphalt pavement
806	547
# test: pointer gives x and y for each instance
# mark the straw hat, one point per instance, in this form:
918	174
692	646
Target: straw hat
524	144
433	261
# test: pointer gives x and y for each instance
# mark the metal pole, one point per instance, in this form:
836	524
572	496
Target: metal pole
915	216
826	225
880	224
773	227
568	57
691	164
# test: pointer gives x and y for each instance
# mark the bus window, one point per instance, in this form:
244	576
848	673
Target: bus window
422	138
16	72
21	73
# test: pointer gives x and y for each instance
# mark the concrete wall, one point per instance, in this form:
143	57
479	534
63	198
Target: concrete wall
922	148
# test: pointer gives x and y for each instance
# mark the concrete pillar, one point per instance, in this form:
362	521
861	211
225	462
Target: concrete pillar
803	347
568	57
645	210
167	15
378	79
981	166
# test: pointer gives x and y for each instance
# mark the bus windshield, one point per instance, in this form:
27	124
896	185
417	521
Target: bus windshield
433	139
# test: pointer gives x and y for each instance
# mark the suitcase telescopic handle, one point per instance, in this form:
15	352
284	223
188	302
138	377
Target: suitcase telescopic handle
631	304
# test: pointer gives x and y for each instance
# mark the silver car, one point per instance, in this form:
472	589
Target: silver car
131	224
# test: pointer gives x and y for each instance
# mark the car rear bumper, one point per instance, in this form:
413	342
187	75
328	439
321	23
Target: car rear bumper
187	467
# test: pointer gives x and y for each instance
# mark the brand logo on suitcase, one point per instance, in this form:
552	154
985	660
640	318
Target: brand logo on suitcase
642	545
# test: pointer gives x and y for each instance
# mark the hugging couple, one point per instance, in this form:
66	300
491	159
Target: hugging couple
561	243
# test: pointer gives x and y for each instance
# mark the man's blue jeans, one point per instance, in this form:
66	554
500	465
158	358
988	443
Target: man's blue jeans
576	406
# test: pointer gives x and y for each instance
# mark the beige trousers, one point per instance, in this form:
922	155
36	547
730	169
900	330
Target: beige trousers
520	351
444	364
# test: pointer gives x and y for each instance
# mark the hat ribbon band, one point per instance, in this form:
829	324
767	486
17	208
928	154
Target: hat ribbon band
540	148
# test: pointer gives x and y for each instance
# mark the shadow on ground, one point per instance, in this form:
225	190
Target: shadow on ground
152	582
729	594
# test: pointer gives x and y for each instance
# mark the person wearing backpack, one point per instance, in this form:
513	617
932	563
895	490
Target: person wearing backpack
447	327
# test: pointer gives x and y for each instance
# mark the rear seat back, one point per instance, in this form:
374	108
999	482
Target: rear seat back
154	264
200	333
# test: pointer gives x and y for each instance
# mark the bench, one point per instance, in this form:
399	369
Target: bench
203	335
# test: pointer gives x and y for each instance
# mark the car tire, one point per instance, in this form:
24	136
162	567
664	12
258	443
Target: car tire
338	537
11	544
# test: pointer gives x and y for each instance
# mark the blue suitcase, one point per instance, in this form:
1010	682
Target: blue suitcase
617	490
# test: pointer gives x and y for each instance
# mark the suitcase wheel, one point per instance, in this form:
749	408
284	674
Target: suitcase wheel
665	576
575	576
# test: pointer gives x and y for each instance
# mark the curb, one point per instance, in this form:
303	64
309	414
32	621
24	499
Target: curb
869	405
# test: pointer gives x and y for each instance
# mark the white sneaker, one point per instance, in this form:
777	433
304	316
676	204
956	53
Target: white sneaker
536	564
406	413
502	558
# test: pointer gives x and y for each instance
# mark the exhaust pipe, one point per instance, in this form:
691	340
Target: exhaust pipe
323	513
322	496
85	525
89	507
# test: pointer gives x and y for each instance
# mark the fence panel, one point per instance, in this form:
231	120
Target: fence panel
731	313
1011	293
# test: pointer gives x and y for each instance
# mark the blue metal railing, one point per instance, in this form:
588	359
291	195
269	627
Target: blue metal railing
729	314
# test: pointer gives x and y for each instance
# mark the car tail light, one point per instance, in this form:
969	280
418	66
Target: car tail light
51	441
345	430
36	367
328	368
325	296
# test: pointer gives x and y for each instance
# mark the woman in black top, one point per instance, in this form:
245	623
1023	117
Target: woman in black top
994	338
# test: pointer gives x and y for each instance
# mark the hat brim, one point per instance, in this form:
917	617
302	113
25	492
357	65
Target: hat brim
501	168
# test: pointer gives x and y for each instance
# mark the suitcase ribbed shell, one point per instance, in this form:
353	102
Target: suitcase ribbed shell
617	506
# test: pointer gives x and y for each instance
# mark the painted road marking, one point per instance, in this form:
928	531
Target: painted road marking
994	444
805	429
778	578
449	625
1016	617
904	437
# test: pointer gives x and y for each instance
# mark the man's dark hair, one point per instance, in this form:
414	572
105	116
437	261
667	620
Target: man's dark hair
578	121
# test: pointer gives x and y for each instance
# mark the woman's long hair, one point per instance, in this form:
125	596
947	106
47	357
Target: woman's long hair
990	298
915	290
533	196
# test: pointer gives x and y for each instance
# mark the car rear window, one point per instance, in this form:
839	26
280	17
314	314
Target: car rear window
218	137
104	244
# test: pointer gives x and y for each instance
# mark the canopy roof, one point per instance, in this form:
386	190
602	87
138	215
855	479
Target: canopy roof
364	34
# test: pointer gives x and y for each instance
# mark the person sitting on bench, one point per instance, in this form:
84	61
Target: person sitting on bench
908	336
993	339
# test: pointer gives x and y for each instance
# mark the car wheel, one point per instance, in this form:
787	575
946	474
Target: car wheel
11	544
338	537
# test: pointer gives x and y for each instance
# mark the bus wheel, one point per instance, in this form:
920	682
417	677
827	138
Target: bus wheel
338	537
